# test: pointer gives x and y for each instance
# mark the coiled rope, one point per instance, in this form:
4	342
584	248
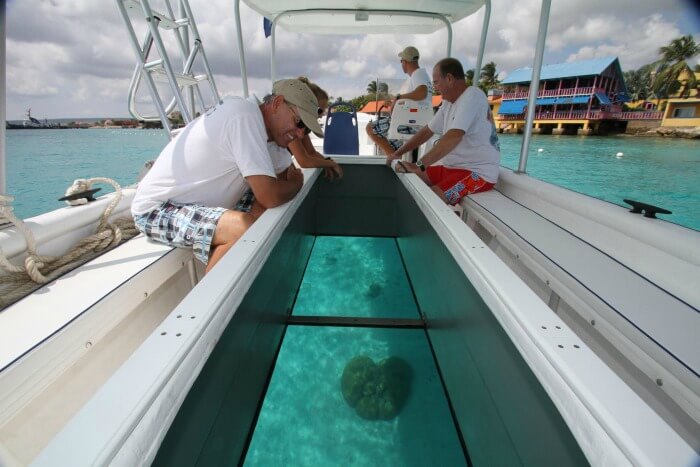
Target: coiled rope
40	269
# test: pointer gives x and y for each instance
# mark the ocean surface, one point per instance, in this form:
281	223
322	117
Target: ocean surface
41	164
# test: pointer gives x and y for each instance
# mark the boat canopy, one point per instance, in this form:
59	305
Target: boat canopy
363	17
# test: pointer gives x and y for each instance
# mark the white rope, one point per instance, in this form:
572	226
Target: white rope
39	269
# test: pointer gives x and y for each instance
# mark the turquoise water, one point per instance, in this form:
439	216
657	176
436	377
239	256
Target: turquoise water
306	418
660	171
355	276
41	164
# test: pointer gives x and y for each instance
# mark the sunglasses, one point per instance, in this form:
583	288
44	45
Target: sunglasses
300	122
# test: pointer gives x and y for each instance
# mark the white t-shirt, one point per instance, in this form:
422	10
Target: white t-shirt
418	78
207	162
479	149
281	157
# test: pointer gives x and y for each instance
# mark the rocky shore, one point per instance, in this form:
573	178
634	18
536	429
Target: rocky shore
670	132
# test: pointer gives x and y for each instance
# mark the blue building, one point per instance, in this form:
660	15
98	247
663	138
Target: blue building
581	97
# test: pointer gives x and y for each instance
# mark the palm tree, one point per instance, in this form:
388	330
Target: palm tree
378	89
674	61
469	77
488	77
638	83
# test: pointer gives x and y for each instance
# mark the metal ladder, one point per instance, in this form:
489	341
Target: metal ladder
161	69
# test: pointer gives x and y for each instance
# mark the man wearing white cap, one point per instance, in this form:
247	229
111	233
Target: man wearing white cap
417	87
466	158
188	198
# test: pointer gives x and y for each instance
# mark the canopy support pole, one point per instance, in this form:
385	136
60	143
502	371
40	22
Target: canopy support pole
3	100
241	52
273	56
482	41
534	84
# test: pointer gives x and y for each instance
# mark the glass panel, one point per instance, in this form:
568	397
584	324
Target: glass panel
307	420
355	276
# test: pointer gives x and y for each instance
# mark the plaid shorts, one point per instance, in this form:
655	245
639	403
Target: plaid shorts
380	127
245	204
182	225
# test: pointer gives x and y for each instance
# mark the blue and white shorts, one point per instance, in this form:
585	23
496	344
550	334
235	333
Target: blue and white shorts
380	127
182	225
245	204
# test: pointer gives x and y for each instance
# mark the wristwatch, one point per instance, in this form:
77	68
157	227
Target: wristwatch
420	165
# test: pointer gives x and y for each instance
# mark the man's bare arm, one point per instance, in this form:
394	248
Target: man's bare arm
444	145
417	94
270	192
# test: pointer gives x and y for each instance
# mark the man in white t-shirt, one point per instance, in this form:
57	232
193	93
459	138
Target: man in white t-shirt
465	159
417	87
189	197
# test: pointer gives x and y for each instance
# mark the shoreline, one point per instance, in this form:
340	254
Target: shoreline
658	132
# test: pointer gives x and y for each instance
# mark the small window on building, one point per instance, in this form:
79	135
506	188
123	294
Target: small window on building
684	112
649	106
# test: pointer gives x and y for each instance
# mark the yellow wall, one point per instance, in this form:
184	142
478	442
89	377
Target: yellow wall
685	122
682	78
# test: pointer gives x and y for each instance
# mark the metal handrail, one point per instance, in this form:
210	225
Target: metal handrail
3	186
482	41
534	84
184	28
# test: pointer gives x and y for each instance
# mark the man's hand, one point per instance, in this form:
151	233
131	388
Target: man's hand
295	176
334	171
406	167
391	157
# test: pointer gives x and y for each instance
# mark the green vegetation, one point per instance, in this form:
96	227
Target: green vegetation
639	83
673	63
661	79
657	80
488	79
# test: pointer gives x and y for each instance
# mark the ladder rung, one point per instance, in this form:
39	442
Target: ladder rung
154	64
164	22
182	80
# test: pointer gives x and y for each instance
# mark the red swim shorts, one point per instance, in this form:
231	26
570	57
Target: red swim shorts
456	183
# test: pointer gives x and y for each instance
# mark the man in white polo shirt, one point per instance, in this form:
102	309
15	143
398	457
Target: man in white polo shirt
465	160
189	197
417	87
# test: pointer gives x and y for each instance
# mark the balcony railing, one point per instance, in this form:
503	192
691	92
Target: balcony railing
566	92
587	115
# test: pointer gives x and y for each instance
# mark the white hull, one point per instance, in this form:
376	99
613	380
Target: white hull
111	365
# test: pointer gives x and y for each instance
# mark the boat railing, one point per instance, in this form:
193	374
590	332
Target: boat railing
585	115
563	92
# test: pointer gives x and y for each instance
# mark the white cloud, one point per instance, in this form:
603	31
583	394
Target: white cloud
72	57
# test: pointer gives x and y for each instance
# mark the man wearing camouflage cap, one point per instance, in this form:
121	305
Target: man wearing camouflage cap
417	87
189	197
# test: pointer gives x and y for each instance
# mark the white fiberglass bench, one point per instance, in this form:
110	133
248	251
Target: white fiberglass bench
628	286
59	344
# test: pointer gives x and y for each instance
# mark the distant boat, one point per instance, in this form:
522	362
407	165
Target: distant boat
31	122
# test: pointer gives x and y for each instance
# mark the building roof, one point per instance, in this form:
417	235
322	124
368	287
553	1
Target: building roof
372	106
563	70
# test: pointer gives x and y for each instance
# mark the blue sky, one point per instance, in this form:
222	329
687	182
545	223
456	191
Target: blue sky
71	58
